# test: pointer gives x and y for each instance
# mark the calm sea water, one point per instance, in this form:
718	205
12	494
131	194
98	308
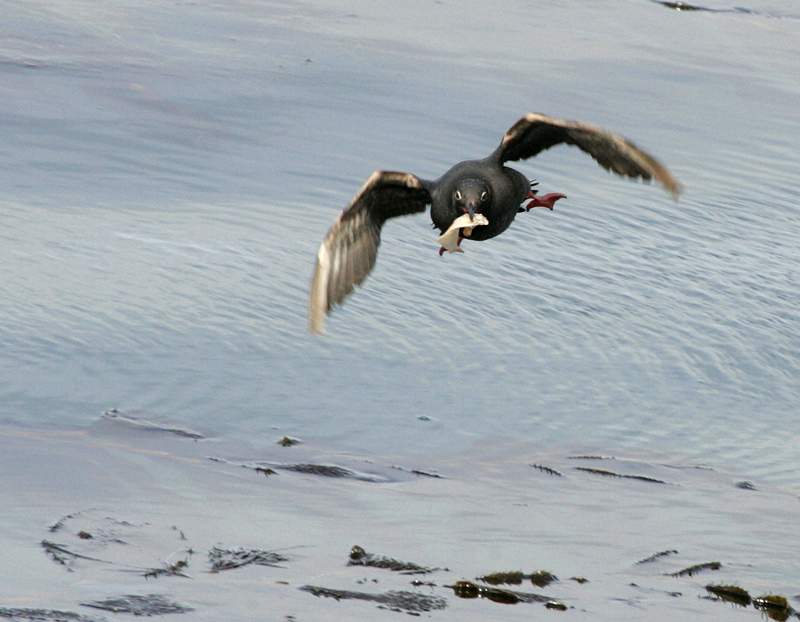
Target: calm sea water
167	171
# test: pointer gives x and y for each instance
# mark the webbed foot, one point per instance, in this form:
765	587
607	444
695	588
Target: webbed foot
547	200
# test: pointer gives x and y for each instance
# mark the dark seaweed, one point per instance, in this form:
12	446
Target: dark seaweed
60	522
60	554
540	578
730	593
327	471
548	470
684	6
319	469
226	559
426	474
776	607
692	570
359	557
503	578
140	605
170	570
418	472
410	602
324	470
605	473
23	614
151	426
656	556
467	589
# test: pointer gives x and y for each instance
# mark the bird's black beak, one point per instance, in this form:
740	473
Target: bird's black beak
471	211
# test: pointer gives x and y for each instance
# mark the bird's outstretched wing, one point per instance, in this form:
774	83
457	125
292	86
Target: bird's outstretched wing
348	253
535	132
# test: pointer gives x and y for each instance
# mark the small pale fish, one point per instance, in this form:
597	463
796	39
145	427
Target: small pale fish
449	239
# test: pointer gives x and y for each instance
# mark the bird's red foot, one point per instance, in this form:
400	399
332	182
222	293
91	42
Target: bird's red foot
548	200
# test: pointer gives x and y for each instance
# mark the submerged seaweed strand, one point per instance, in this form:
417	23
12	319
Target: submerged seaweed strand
359	557
411	602
467	589
28	614
175	570
605	473
548	470
540	578
226	559
691	570
656	556
62	555
60	522
138	605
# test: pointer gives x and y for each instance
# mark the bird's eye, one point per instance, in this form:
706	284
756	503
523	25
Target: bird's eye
484	194
458	195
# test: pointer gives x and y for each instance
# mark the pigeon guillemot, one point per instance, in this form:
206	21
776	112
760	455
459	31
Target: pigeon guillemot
487	187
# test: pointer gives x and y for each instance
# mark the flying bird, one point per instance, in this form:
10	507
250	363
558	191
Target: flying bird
486	187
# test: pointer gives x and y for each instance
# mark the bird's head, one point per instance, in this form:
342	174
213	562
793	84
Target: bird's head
471	196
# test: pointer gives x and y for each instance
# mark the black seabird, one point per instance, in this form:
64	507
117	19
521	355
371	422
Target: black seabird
348	253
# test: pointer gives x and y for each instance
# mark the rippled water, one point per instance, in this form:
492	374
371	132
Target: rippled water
103	514
168	171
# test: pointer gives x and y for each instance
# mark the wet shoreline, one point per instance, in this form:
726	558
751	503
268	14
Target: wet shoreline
156	515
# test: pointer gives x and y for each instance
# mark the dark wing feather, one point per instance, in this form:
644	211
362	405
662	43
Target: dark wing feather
534	133
348	253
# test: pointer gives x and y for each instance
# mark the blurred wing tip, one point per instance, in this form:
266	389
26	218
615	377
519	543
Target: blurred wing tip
318	305
316	321
675	190
673	186
668	182
317	326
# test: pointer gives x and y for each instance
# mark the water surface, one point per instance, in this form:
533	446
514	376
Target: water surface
168	171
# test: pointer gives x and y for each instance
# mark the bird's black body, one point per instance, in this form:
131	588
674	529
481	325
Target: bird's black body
505	187
487	187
